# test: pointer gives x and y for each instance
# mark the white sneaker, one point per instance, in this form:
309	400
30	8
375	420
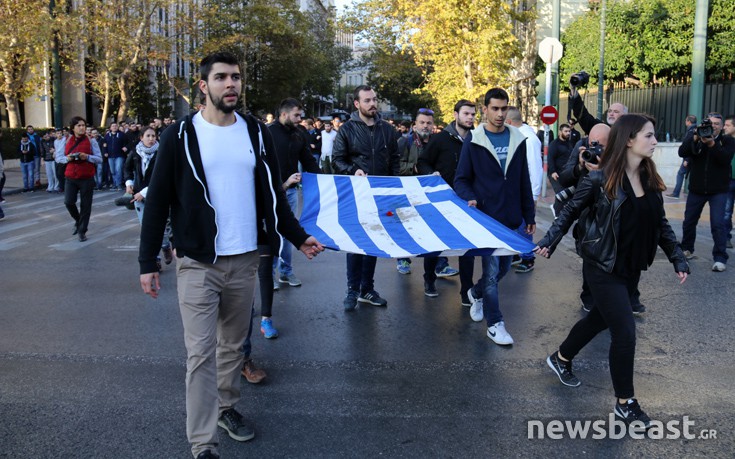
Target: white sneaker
476	312
498	334
718	267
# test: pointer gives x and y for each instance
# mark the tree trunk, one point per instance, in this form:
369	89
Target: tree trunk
124	86
106	95
11	104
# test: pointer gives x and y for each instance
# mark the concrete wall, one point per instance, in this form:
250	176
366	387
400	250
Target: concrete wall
667	161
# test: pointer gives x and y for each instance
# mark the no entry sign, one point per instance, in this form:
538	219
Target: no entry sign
549	115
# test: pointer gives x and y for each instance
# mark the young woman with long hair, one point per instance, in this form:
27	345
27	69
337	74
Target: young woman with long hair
621	222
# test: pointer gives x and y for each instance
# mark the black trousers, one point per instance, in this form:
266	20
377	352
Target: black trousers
265	279
84	188
612	309
466	270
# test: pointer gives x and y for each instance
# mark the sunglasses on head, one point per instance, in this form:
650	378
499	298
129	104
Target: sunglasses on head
426	111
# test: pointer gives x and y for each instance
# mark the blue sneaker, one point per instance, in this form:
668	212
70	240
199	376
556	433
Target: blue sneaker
350	302
403	266
448	271
267	329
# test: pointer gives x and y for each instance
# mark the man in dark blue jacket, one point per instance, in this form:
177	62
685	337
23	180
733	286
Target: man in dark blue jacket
492	175
116	148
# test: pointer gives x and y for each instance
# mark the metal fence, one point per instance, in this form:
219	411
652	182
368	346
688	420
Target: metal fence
668	104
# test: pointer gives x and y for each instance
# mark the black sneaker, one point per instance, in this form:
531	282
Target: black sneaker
234	424
350	301
526	266
638	309
586	307
430	290
563	370
373	298
516	260
630	412
465	300
207	454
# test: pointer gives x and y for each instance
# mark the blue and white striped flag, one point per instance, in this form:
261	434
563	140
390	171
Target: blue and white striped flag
397	217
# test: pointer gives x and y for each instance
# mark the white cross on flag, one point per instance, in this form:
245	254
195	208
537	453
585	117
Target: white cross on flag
398	217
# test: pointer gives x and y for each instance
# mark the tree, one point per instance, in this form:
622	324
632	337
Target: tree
23	49
649	41
285	52
120	41
462	47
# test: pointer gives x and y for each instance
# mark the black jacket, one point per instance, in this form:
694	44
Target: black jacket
356	146
442	154
292	148
178	183
709	168
559	151
599	245
585	120
572	172
134	171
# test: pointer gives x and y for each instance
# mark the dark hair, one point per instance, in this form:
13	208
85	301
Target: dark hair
464	103
496	93
406	124
730	118
565	125
692	119
144	130
289	104
24	135
205	66
74	121
356	92
614	159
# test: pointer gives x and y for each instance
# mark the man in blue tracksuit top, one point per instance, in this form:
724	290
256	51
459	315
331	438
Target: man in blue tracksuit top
492	175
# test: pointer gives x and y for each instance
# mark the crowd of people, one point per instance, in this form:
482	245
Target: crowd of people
219	191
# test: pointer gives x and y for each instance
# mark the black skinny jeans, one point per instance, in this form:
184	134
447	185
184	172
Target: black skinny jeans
265	279
612	309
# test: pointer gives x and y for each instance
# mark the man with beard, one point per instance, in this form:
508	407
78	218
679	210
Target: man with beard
364	145
440	157
292	148
217	174
559	151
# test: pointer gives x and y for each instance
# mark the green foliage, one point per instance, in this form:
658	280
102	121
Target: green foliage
9	141
649	41
286	53
461	48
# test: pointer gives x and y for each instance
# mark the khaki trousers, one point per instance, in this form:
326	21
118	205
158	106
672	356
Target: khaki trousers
216	301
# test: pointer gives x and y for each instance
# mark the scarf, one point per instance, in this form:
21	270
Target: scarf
146	154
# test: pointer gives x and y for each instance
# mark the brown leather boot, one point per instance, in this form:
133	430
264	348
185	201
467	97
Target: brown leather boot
253	374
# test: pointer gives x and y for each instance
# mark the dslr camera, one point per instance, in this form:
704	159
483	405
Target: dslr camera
565	194
592	154
579	79
74	157
705	129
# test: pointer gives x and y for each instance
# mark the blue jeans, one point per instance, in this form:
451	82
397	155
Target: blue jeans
493	269
728	209
285	268
683	172
361	272
522	231
692	212
27	171
116	169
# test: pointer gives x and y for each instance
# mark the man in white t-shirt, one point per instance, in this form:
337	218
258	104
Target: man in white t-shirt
328	136
217	174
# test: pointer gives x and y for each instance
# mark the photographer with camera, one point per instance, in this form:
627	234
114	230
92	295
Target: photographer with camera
585	119
709	153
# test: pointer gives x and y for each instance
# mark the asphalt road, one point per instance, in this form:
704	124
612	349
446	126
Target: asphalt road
90	367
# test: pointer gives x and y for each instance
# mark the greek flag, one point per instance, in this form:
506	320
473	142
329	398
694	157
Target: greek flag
399	217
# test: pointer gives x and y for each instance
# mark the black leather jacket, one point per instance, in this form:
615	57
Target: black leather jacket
597	241
358	147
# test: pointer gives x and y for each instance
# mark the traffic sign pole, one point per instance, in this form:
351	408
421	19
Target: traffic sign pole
550	51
